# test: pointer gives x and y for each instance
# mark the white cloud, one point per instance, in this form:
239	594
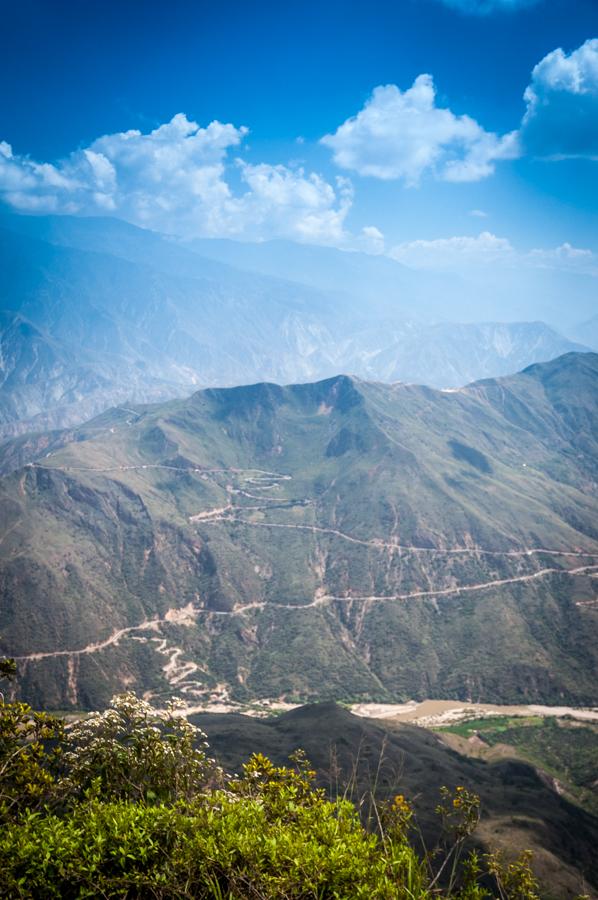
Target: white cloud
452	252
175	179
576	73
403	134
561	119
478	213
565	257
281	201
466	252
371	240
486	7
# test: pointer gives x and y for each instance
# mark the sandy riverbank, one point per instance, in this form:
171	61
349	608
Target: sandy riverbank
444	712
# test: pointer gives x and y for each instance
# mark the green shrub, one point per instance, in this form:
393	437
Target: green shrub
228	845
126	803
134	751
30	752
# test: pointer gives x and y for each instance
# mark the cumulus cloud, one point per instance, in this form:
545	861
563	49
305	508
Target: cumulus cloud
486	7
403	134
291	202
561	119
175	179
466	252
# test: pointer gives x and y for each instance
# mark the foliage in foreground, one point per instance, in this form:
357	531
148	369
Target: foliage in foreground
127	804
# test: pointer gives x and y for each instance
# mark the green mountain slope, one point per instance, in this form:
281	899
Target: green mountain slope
330	540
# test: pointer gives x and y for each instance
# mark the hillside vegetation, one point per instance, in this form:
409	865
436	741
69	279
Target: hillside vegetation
126	803
565	749
520	804
337	540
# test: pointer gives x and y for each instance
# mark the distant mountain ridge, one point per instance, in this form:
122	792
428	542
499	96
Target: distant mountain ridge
491	292
97	312
339	539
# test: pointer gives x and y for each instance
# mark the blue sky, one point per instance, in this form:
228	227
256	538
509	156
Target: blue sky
394	126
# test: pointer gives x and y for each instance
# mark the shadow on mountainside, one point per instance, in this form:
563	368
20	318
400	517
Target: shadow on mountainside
519	808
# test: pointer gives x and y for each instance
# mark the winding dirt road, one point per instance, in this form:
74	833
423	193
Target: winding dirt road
221	515
319	600
177	671
115	637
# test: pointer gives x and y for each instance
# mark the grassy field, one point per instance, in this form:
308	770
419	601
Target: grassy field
562	748
493	725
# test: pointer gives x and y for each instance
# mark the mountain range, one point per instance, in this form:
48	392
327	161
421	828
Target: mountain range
97	312
340	539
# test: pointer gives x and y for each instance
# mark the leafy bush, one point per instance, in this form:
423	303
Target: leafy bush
224	847
134	751
126	803
30	751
